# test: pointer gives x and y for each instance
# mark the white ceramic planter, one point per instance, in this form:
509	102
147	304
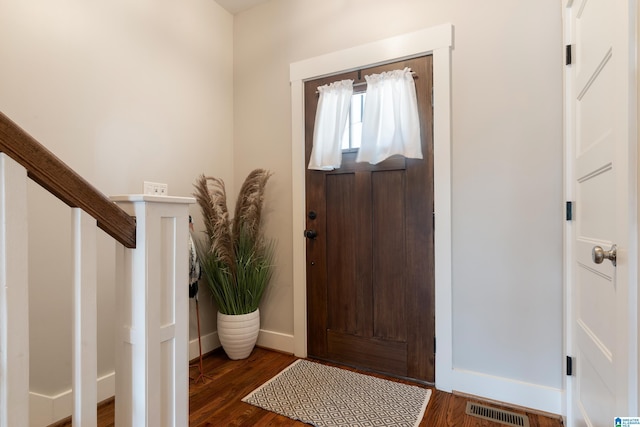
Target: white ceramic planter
238	333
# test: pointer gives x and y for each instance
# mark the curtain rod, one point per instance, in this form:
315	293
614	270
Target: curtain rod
413	74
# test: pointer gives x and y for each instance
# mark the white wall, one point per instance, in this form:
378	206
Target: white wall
506	167
122	91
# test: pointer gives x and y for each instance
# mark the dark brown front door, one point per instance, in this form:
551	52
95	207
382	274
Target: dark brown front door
370	268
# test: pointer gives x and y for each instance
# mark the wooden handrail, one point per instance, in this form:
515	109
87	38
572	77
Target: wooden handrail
55	176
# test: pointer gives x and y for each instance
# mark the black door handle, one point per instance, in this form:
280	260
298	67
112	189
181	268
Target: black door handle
310	234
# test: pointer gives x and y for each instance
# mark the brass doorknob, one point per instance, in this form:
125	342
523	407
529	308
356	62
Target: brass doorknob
598	254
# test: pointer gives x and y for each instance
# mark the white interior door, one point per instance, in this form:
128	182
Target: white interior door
600	106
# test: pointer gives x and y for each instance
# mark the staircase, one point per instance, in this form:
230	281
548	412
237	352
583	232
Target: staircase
152	379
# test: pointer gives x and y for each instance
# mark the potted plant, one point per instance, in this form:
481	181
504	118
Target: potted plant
236	258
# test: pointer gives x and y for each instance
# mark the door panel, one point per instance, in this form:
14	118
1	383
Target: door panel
375	354
370	274
389	290
341	260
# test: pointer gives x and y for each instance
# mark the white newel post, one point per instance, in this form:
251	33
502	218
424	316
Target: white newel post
14	295
152	300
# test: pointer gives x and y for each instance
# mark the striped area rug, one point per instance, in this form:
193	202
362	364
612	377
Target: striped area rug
323	395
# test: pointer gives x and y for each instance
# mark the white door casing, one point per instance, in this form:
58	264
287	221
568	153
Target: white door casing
601	162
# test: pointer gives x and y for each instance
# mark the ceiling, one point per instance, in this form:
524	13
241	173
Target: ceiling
236	6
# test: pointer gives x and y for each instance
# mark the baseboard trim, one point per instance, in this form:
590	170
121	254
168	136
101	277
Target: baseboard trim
45	410
276	341
512	392
210	342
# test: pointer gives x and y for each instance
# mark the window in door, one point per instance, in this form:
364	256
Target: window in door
353	131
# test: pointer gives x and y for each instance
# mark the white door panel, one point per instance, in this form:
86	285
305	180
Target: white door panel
595	195
593	123
593	22
595	327
595	397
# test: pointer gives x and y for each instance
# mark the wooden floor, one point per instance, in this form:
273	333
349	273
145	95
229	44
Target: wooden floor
216	402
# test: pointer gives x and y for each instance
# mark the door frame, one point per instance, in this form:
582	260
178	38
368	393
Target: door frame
630	255
437	41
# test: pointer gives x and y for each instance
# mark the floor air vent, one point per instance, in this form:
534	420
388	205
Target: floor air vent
497	415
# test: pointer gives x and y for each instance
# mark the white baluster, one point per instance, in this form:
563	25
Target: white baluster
85	346
152	358
14	295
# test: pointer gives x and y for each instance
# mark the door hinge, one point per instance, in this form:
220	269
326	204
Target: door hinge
569	366
568	56
569	211
432	97
434	345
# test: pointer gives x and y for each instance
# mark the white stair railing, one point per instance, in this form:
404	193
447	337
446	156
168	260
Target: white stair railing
152	378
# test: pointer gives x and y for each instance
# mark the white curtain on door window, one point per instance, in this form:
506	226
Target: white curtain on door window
331	119
390	122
